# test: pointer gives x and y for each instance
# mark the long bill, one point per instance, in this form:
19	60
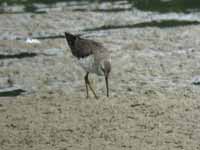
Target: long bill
107	87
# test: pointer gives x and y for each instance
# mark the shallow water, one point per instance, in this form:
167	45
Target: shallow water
162	6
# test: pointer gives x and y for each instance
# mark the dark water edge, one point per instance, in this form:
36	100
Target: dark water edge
170	23
18	56
11	93
162	6
154	23
104	10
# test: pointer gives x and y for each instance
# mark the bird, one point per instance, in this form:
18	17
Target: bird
92	56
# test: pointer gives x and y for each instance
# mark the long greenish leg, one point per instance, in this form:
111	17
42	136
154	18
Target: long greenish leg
107	87
88	83
92	91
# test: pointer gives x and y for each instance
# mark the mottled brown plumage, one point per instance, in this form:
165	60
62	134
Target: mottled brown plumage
92	56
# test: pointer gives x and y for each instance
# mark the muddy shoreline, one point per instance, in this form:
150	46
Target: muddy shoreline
154	102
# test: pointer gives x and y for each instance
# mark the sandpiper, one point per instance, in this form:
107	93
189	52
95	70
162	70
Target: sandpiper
93	58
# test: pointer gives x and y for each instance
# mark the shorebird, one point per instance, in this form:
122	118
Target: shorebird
93	58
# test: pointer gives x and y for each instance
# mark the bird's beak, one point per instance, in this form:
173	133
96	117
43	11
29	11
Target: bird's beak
107	87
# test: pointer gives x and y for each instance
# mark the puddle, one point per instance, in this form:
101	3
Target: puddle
160	24
10	92
18	56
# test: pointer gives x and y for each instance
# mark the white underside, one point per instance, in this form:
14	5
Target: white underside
88	64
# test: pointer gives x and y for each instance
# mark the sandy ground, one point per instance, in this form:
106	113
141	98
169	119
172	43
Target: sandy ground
153	104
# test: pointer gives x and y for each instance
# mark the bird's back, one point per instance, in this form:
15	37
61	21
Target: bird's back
81	48
90	53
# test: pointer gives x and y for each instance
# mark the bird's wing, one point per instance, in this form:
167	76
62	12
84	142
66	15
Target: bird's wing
85	47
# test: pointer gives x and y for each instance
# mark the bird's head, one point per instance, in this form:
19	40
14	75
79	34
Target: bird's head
70	39
106	69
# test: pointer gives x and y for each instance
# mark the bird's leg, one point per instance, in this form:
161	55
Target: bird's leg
92	91
88	83
107	87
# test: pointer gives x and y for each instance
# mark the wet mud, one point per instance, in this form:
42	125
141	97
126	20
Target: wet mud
153	103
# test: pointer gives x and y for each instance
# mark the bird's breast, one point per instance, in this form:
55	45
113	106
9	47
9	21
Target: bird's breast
89	65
